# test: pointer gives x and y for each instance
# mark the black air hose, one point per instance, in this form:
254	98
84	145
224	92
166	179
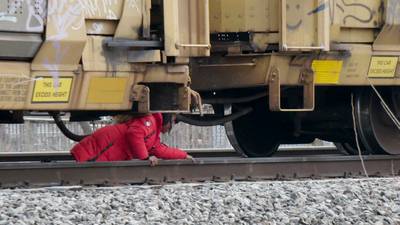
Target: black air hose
60	124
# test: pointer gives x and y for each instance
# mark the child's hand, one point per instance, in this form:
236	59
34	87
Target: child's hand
153	161
190	158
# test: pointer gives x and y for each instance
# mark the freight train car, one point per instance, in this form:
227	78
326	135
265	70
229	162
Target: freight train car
98	57
294	70
275	71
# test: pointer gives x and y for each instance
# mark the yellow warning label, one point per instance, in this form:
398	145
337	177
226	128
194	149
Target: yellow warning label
327	71
50	90
383	67
104	90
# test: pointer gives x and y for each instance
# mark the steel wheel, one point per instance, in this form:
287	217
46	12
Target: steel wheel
257	134
377	131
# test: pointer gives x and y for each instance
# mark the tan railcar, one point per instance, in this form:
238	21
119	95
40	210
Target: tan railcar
288	70
312	60
80	55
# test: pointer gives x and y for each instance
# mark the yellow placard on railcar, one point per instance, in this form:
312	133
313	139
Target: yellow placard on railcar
104	90
52	90
383	67
327	71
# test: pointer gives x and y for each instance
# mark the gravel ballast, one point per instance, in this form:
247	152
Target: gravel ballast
348	201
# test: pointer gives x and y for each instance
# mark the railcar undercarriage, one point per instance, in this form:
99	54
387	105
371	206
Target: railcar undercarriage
259	132
275	71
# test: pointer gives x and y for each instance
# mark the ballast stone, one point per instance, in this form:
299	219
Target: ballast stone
371	201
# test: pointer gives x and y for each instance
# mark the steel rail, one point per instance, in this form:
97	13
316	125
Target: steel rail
66	156
51	156
35	174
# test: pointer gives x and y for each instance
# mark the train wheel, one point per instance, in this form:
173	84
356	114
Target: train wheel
377	131
257	134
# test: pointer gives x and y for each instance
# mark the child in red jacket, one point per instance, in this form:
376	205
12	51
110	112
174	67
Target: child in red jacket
136	138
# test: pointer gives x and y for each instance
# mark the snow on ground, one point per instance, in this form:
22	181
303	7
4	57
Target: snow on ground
362	201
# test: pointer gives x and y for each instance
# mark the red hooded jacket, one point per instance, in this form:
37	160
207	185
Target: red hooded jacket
138	138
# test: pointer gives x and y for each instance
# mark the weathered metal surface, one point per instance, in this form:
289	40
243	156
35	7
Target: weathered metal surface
387	39
308	31
140	55
304	25
23	15
196	153
19	45
85	40
65	37
66	156
112	38
186	28
275	98
204	169
130	43
21	27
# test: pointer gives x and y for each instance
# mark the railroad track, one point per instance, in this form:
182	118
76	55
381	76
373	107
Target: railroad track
65	173
66	156
48	156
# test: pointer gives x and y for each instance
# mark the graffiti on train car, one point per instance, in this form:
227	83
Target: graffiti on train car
23	15
8	18
97	8
107	9
393	14
35	21
357	12
65	17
